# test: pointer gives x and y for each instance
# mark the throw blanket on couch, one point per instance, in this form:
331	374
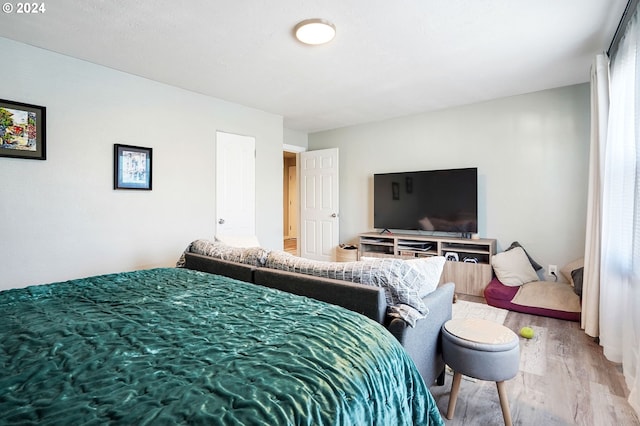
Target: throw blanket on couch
401	282
255	256
175	346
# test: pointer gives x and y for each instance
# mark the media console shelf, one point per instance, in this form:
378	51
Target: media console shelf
471	272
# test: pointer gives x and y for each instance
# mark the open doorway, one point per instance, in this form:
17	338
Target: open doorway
290	205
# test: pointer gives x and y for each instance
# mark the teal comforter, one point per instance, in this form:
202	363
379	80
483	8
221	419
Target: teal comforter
174	346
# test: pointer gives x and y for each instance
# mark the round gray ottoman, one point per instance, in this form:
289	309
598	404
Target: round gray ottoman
483	350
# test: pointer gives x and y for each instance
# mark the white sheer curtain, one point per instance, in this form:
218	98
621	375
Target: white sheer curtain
615	200
591	275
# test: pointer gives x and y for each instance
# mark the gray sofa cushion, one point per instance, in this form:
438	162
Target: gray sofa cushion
363	299
238	271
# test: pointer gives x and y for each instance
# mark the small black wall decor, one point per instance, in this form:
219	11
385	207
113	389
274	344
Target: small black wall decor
132	167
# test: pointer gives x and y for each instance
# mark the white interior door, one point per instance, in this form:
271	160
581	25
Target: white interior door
235	185
319	210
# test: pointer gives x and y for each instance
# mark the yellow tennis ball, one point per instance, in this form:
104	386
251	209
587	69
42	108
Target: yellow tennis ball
526	332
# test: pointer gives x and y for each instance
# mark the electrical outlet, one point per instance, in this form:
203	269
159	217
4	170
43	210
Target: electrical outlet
553	270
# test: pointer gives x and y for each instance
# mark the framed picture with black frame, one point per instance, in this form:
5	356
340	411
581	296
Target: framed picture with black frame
132	167
23	130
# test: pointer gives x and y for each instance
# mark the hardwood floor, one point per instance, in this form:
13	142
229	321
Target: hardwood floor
290	245
564	379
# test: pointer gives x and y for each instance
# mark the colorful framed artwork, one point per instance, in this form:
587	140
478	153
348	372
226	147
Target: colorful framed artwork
131	167
23	130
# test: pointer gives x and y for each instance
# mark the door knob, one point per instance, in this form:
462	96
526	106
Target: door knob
221	221
334	215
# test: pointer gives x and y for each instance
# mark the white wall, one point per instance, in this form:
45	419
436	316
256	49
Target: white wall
294	137
61	219
532	157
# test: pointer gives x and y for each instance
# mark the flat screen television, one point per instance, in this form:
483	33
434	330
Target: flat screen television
432	200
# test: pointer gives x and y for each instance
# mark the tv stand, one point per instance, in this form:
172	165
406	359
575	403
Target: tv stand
386	231
471	272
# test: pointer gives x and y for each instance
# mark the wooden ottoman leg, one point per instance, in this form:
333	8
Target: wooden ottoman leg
455	387
504	403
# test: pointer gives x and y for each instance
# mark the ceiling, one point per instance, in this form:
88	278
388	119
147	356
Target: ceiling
389	58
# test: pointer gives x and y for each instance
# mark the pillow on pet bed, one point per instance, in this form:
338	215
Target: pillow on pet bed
535	264
573	271
513	268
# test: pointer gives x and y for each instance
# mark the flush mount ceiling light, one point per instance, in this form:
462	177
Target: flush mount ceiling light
315	31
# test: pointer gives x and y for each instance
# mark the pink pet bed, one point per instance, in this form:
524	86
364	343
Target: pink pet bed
500	296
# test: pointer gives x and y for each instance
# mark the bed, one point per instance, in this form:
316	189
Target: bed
176	346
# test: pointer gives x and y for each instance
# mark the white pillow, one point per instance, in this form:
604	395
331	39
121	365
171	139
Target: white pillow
241	241
512	267
431	267
570	267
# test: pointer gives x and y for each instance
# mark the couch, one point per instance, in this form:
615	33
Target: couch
421	341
